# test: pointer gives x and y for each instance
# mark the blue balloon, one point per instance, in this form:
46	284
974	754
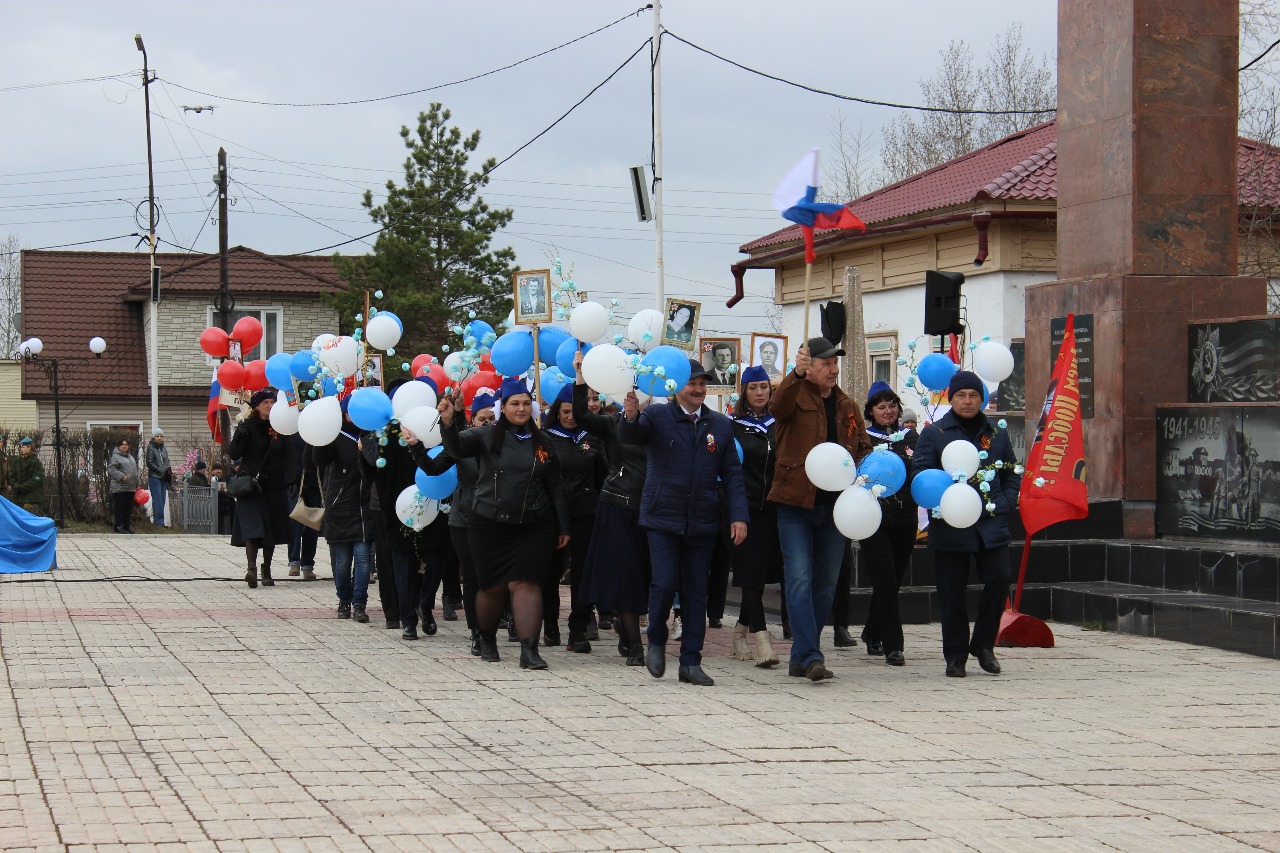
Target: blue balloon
440	486
512	354
329	385
549	340
675	365
552	381
738	444
369	408
478	329
927	487
278	373
935	371
564	357
300	364
884	469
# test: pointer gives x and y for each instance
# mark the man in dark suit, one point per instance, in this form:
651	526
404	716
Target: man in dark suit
721	359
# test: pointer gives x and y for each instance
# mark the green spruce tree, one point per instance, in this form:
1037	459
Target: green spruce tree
433	260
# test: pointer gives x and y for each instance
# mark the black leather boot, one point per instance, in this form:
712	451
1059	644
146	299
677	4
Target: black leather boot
529	657
488	646
475	643
266	575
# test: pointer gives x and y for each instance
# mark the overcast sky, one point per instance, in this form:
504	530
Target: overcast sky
72	157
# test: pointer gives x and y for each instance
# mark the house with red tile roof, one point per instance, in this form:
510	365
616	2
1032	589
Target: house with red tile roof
69	297
990	214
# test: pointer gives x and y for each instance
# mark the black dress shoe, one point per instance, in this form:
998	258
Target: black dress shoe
410	632
695	675
448	610
894	659
874	647
656	660
551	637
842	638
715	623
430	626
475	644
623	648
955	669
987	660
593	630
636	658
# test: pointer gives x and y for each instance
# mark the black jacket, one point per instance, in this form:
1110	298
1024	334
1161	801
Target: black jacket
758	457
396	475
624	484
516	484
344	506
582	469
263	453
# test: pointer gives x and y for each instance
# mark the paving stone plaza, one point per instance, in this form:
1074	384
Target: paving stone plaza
151	701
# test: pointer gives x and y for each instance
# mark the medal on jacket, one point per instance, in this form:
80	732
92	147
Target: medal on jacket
711	443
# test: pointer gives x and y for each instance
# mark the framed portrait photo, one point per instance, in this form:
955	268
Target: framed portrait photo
681	328
234	351
531	295
770	352
717	356
373	371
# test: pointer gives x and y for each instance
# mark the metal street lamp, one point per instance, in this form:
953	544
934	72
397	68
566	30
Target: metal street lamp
29	351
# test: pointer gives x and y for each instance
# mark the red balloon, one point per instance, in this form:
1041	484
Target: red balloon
255	375
486	364
473	383
437	374
231	375
141	496
214	342
419	362
248	331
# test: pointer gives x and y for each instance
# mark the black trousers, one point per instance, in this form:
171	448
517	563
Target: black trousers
718	578
408	581
952	576
467	573
122	508
576	555
886	556
442	570
384	565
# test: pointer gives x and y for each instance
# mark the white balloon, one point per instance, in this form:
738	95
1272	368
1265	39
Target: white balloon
322	340
830	467
424	423
607	369
992	361
588	321
454	367
961	505
382	332
320	422
415	509
649	320
411	395
340	355
284	417
960	456
857	513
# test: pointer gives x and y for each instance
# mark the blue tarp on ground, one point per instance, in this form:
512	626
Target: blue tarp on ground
28	543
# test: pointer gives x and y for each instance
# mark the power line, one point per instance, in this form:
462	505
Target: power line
290	209
23	86
636	13
868	101
68	245
1257	58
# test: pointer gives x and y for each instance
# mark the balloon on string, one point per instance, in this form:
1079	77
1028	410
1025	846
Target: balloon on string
383	331
588	321
214	342
284	416
320	422
961	505
857	513
437	486
935	371
927	487
830	467
608	370
369	408
414	509
565	354
248	331
322	340
303	365
549	340
418	363
411	395
675	367
329	386
473	384
552	381
255	375
480	330
512	354
992	361
883	468
960	456
278	372
424	423
231	375
454	366
646	322
340	355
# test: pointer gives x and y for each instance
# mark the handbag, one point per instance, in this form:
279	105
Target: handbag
243	486
309	516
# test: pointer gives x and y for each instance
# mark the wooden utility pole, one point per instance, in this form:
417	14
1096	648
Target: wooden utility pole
225	304
856	380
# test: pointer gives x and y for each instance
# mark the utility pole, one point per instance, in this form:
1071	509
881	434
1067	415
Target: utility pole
152	353
225	303
656	72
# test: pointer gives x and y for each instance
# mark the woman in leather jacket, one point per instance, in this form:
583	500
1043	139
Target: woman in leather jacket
518	516
886	554
261	520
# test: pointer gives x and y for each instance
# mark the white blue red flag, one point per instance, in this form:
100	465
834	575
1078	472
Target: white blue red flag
794	199
215	394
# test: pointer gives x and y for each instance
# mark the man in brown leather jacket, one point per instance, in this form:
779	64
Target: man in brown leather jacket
809	408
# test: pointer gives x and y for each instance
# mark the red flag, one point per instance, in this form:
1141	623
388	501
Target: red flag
1056	462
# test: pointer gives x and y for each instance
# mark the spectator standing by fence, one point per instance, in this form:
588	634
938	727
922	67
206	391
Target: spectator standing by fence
159	475
122	481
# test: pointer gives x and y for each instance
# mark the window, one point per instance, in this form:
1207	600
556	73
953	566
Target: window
882	353
272	320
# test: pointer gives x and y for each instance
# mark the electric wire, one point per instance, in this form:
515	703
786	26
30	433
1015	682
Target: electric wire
1258	58
69	245
24	86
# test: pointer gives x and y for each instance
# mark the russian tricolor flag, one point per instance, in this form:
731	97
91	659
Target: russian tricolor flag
215	394
794	199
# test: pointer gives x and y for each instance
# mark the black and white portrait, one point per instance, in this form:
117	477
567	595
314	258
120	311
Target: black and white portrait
770	352
532	296
719	357
681	327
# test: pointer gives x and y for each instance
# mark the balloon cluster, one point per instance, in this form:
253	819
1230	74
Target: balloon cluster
993	362
960	491
831	468
234	375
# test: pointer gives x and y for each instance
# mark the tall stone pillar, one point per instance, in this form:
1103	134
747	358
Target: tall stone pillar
1147	220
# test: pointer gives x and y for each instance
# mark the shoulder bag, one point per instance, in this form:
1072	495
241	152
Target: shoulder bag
309	516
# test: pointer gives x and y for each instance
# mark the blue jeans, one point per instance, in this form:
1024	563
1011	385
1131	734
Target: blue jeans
159	491
352	586
680	564
812	548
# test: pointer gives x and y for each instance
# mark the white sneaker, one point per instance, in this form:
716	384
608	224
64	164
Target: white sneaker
676	628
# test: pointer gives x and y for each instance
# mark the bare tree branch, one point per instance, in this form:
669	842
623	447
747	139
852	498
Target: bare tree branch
10	294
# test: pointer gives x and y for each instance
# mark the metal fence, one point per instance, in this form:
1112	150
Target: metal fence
199	509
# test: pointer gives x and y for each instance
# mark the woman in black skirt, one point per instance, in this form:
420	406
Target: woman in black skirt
758	560
886	554
582	469
518	517
616	574
261	520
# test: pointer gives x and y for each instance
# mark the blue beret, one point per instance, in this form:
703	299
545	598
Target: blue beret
876	388
755	373
482	402
512	386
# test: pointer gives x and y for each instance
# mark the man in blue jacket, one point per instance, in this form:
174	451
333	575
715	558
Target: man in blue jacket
690	447
986	543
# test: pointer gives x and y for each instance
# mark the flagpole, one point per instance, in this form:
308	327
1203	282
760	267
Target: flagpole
537	374
1022	575
808	274
656	78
